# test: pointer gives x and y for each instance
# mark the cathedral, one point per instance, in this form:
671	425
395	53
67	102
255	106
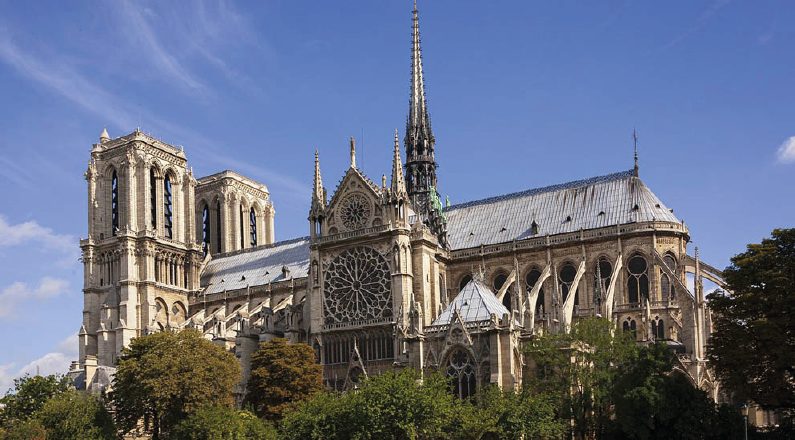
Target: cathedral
390	276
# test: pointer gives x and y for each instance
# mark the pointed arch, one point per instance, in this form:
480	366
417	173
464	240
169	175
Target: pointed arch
168	205
638	278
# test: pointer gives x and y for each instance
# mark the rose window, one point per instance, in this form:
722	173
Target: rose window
355	211
357	287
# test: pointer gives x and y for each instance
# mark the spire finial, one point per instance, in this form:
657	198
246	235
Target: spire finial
104	136
353	152
318	195
398	183
635	144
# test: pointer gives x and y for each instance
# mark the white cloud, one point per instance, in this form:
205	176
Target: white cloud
786	151
50	363
18	292
31	231
55	362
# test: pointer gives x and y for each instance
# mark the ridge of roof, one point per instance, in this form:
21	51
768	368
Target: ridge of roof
261	247
556	187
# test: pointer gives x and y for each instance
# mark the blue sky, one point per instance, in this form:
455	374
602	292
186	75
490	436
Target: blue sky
522	94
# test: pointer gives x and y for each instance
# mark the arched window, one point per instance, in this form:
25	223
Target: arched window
567	274
218	226
114	203
167	208
252	218
531	279
658	328
666	283
638	280
630	326
206	229
152	198
242	231
602	274
464	282
461	373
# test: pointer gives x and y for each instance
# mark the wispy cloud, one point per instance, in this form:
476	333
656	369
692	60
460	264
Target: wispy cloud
786	151
136	17
65	80
19	292
704	18
32	232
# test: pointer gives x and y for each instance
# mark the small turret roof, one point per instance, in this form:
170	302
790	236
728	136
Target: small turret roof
476	302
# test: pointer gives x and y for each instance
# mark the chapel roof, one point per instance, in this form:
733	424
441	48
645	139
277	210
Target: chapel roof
257	266
476	302
613	199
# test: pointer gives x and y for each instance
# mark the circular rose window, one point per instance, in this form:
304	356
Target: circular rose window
355	211
357	287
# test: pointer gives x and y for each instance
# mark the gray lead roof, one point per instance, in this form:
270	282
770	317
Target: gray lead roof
597	202
476	302
257	266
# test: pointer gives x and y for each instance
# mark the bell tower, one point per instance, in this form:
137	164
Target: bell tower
140	259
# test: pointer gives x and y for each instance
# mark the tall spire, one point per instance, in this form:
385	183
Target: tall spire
398	183
418	117
419	142
318	194
635	143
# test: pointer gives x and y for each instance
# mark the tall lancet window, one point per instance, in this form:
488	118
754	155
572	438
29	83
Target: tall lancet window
167	207
153	198
638	280
206	229
218	226
252	217
242	231
114	203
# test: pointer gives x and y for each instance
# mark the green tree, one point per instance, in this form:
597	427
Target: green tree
653	401
282	374
164	377
393	405
223	423
30	429
752	348
498	414
581	368
29	395
75	415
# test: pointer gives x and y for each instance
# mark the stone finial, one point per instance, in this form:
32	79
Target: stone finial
104	136
353	152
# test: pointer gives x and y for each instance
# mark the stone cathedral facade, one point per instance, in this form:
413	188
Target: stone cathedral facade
389	276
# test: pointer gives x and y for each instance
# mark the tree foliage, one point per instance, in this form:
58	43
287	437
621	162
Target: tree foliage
581	368
398	405
164	377
653	401
223	423
29	395
75	415
752	349
282	374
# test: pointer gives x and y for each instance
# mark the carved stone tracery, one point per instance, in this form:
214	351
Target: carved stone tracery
357	287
